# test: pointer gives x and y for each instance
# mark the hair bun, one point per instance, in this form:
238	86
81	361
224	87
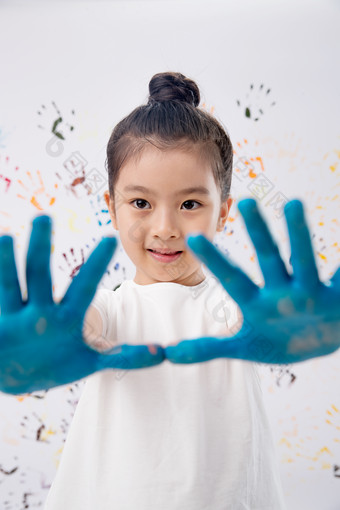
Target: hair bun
170	86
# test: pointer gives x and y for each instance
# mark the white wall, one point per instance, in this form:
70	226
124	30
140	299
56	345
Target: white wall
97	58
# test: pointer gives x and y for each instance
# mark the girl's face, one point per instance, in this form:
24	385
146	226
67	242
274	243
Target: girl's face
160	199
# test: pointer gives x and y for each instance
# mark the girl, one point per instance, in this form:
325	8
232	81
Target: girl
171	437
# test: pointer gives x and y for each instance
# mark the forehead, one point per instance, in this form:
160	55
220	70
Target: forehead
171	168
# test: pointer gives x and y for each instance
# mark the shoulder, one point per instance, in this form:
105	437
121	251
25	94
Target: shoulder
104	296
108	292
113	294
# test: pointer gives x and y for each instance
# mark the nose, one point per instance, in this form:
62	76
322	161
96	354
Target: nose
164	224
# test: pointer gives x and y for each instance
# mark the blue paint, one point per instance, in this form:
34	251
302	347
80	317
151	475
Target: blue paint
41	344
293	318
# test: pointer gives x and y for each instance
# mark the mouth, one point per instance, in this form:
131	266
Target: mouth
160	252
165	257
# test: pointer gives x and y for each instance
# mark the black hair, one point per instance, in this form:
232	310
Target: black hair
171	119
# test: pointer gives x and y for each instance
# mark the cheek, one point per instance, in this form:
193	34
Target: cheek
133	231
210	220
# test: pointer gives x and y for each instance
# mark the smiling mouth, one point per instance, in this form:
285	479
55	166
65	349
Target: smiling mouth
165	253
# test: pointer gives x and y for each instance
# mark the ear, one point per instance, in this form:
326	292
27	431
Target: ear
110	205
224	211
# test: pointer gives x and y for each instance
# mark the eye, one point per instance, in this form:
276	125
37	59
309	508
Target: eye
192	202
139	201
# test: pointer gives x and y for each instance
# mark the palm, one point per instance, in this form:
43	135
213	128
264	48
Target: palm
41	343
288	325
292	318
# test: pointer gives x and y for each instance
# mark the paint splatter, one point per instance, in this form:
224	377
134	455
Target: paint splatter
8	471
332	159
35	192
6	180
77	183
7	169
333	417
5	223
75	164
257	102
249	176
71	264
210	109
59	127
74	265
82	181
33	428
248	172
23	485
80	184
281	373
248	163
336	471
101	211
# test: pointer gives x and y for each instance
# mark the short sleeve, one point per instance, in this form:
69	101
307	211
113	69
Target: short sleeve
100	303
104	302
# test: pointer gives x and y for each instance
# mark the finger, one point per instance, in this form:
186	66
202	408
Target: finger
206	349
245	345
272	266
235	281
335	280
10	294
38	274
129	357
303	262
83	287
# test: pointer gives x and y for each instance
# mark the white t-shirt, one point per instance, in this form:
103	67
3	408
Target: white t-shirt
169	437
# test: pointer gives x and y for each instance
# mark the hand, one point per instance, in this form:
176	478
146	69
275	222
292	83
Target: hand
294	317
41	342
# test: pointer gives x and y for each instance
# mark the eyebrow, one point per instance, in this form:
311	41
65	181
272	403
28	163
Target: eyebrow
194	189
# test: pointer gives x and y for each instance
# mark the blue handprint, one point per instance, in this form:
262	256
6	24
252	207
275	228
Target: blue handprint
41	342
294	317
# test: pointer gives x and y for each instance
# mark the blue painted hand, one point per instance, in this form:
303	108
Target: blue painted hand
292	318
41	342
